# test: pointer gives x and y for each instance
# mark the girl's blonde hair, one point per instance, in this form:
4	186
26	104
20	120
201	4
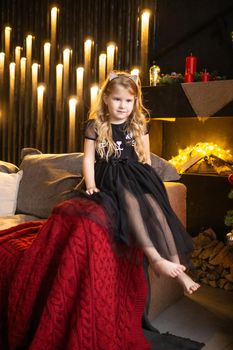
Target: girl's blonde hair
136	122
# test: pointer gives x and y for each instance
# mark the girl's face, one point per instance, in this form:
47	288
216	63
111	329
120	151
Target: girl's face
120	104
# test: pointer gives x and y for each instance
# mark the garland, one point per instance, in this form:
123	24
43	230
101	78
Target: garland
174	77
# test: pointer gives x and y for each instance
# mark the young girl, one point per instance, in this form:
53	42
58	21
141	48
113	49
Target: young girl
117	162
65	284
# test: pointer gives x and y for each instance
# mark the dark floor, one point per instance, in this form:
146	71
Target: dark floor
206	316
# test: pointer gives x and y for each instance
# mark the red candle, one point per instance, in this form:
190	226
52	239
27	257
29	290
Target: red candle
191	64
205	76
188	78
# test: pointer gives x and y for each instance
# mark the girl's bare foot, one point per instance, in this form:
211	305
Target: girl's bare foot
188	284
167	268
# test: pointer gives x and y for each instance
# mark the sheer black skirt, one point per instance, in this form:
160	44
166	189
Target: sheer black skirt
138	208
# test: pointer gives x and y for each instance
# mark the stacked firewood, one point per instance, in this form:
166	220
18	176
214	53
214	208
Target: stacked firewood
213	260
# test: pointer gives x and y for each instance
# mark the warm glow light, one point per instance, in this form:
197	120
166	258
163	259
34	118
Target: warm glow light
2	58
72	123
47	49
40	102
18	50
87	59
40	91
66	65
2	63
145	18
29	51
59	76
94	94
87	44
7	41
23	61
66	55
110	57
12	69
135	71
102	67
72	105
79	81
201	149
54	12
12	84
35	71
165	119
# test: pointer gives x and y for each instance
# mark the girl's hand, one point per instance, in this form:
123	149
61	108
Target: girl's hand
92	190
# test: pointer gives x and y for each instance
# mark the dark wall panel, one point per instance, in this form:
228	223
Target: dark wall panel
203	27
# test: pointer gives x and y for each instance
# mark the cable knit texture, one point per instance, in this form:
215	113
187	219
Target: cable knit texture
64	288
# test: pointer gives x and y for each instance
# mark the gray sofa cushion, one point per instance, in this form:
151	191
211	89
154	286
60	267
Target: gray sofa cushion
165	170
47	180
51	178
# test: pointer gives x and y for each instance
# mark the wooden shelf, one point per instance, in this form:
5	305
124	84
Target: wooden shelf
214	98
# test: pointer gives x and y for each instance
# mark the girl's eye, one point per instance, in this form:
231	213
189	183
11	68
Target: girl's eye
129	101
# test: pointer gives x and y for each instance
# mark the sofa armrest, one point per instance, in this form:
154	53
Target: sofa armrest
165	291
177	194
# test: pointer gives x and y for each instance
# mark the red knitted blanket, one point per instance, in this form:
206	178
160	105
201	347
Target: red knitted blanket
62	287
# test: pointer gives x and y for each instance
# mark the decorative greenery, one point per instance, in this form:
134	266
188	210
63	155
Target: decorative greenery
230	195
228	220
213	76
229	217
174	77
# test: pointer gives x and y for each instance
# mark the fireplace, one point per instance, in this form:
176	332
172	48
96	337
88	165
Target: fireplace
207	194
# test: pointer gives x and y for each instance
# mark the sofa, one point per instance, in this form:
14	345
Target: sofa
30	191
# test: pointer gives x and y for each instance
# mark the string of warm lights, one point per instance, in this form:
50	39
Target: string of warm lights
200	150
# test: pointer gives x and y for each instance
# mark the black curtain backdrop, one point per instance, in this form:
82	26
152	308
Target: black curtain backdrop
177	27
203	27
103	21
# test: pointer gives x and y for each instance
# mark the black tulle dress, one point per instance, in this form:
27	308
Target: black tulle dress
136	200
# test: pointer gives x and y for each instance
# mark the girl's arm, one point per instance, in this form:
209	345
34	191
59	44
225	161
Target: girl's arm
146	141
88	168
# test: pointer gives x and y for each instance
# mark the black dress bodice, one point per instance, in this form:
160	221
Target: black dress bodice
123	139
